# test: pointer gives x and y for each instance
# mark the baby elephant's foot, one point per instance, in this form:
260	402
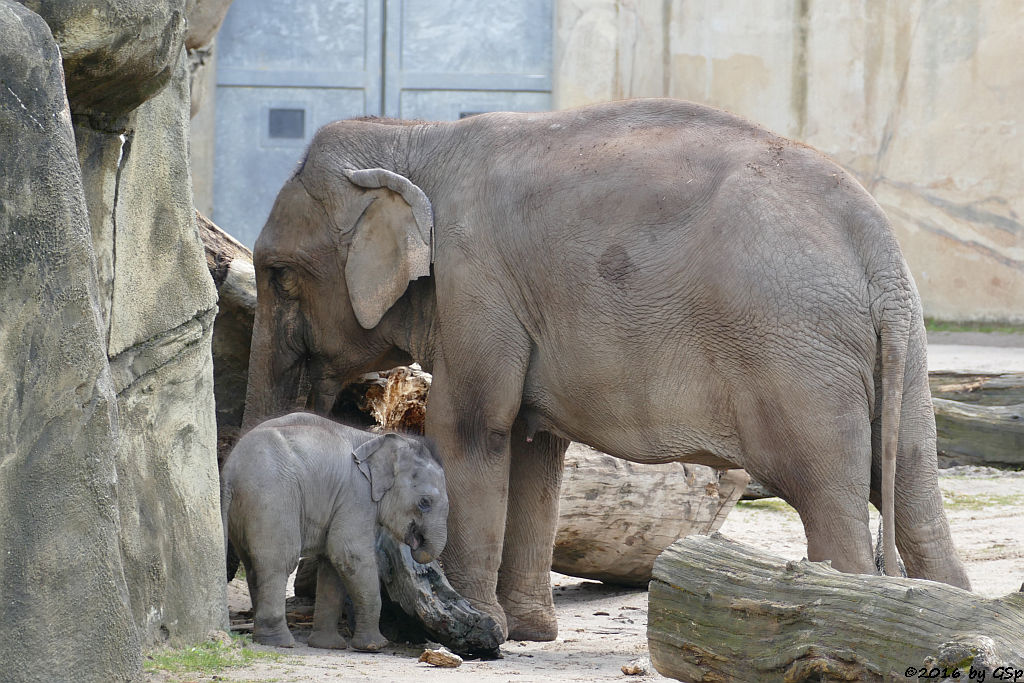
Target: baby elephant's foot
369	642
328	640
280	637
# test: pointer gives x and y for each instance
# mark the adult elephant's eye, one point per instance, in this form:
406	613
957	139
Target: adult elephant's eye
424	505
284	280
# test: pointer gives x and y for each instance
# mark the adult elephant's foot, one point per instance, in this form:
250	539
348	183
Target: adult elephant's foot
278	636
492	609
328	640
370	641
536	627
530	621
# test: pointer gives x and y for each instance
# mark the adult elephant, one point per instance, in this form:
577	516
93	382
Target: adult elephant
655	278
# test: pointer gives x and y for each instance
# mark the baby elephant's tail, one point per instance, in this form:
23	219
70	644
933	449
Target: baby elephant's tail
225	506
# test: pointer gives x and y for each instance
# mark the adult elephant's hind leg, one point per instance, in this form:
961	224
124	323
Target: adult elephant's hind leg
815	452
524	580
922	531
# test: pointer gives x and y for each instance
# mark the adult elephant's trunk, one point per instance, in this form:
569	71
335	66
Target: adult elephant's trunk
274	373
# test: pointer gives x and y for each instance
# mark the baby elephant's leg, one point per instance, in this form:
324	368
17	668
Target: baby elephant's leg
270	627
267	567
330	596
356	562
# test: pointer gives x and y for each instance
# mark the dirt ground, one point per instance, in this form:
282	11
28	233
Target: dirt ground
602	628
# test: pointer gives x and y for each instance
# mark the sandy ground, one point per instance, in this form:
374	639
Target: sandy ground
602	628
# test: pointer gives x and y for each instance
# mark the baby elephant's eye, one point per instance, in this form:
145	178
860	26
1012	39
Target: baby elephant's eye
424	505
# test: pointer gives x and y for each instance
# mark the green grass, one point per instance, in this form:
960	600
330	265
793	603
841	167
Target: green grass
767	504
960	501
933	325
209	658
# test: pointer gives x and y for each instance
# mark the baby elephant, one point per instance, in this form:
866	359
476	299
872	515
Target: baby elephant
301	485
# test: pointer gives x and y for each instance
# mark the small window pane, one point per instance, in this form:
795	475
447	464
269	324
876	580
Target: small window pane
287	123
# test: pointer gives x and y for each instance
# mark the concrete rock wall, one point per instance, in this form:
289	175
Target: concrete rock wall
64	603
109	496
921	100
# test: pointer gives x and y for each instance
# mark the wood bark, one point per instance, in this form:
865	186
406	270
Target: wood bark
423	592
615	517
722	611
230	265
979	435
988	390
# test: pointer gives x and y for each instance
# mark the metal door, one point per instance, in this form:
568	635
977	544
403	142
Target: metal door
446	59
285	69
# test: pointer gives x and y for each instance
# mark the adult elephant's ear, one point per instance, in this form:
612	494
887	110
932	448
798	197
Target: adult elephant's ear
392	244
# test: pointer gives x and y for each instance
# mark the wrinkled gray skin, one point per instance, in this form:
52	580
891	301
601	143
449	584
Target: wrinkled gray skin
301	485
658	279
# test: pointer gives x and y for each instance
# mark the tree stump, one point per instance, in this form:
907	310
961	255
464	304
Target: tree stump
722	611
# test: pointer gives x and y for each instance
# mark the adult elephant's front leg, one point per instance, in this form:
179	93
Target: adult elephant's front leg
524	580
470	422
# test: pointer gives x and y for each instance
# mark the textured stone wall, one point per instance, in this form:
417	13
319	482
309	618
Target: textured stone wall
109	496
922	101
64	603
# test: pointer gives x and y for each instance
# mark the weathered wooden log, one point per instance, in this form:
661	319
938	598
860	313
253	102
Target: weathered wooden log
422	591
230	265
722	611
615	517
979	435
986	390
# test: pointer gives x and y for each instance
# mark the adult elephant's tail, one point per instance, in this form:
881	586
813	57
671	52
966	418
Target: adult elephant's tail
894	332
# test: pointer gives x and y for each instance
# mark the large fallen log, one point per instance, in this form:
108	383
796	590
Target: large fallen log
987	390
230	265
979	435
615	517
722	611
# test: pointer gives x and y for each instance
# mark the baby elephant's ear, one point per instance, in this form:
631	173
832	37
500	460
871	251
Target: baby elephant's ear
377	460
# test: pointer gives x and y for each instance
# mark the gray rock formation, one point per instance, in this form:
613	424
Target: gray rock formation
65	603
117	53
109	501
158	304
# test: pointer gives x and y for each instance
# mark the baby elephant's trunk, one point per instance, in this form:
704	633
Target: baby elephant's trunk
427	543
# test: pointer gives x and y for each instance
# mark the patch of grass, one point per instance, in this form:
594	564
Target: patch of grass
952	500
767	504
209	658
933	325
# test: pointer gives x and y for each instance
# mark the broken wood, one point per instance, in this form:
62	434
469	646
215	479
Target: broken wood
979	435
230	265
986	390
720	610
423	592
615	517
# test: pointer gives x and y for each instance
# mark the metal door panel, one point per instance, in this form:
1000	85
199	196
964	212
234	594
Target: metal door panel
502	49
451	105
284	69
250	164
318	61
